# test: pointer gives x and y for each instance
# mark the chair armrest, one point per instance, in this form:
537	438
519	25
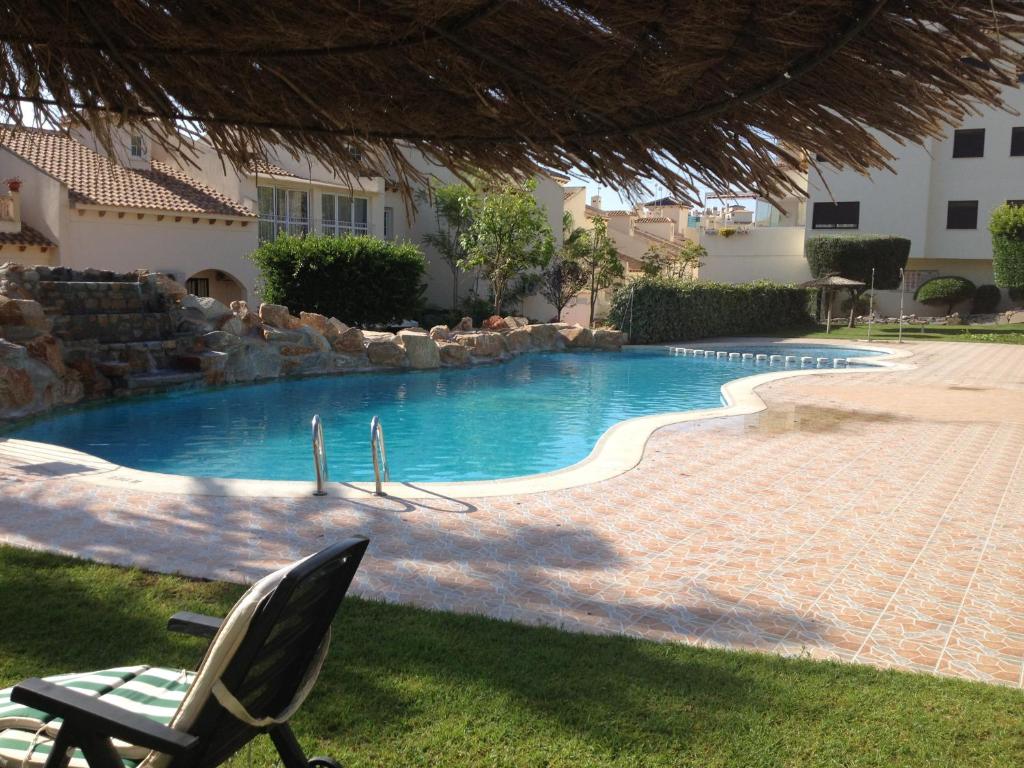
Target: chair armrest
195	624
88	714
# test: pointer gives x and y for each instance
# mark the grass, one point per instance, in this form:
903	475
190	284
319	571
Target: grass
407	687
1010	333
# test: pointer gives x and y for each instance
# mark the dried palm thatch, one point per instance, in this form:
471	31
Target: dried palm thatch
676	92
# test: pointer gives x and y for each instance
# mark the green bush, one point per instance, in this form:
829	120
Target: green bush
853	256
667	309
862	307
948	291
986	299
1007	229
358	280
1017	294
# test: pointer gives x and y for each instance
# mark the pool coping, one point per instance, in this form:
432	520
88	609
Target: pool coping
618	450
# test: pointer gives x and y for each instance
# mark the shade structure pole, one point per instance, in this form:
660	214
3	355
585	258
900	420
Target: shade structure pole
828	317
871	303
902	289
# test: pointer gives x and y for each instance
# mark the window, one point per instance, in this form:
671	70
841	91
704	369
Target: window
137	148
913	278
836	216
282	210
969	143
1016	203
389	221
962	214
1017	142
343	215
198	286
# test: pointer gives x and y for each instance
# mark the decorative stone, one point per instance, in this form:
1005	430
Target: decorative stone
483	343
440	333
386	353
518	340
314	339
24	312
544	337
277	336
369	336
465	324
349	342
606	338
222	341
278	316
47	350
172	289
494	323
213	311
577	337
420	349
314	321
452	353
516	322
233	325
333	329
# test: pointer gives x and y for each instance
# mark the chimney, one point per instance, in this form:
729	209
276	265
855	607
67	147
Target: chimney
595	202
10	207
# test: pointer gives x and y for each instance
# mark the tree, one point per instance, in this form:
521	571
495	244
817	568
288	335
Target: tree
1007	228
564	277
679	259
855	256
595	252
948	291
508	236
455	207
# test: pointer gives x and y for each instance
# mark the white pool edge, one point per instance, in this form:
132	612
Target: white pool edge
618	450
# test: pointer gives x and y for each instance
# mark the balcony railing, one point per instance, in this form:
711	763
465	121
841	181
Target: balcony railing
272	226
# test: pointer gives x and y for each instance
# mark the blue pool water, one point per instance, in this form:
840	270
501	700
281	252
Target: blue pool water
534	414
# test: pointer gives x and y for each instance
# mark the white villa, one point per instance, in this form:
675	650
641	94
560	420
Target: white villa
79	206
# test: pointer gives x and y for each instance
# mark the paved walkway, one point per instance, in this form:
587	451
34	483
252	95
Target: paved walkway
875	517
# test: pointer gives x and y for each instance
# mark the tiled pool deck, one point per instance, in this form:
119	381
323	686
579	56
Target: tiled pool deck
870	517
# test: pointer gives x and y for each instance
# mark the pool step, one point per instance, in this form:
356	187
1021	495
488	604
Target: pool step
160	380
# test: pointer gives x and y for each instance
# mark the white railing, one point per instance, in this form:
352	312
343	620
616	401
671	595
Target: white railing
319	456
272	226
6	208
380	456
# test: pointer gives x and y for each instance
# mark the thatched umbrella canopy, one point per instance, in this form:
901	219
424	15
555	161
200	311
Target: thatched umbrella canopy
830	284
678	92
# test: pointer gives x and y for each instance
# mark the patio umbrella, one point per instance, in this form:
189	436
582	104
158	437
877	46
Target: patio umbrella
688	95
830	284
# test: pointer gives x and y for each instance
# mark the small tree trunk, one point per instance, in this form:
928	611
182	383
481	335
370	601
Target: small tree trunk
455	288
593	296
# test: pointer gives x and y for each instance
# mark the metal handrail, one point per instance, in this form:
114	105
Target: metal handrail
319	456
379	453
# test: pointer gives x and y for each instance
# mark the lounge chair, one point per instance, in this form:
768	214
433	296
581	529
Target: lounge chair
262	662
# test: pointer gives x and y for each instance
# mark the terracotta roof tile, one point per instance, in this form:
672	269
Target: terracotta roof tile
654	220
27	236
96	180
270	169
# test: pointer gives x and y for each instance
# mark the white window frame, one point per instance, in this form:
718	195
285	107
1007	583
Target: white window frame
136	146
280	217
389	221
335	224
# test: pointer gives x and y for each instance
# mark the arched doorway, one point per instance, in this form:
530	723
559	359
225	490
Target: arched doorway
217	284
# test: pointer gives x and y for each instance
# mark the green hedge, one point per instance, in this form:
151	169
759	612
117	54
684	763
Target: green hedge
667	309
1007	228
853	256
358	280
986	299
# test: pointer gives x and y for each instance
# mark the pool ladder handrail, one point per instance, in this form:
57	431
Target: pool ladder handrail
319	456
379	453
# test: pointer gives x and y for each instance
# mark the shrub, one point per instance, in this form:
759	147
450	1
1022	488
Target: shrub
666	309
1017	294
862	307
853	256
359	280
986	299
949	291
1006	226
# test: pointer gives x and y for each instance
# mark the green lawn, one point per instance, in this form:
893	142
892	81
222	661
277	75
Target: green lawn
1011	333
406	687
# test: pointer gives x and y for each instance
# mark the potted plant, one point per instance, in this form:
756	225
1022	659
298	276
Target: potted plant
13	184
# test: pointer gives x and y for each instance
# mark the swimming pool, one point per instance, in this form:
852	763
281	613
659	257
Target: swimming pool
533	414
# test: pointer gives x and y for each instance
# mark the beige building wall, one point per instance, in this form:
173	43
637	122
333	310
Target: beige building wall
762	253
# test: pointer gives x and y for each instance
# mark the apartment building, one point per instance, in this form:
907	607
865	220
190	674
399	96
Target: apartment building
939	195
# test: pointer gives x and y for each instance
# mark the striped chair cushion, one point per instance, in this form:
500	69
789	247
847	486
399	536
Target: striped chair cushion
150	691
